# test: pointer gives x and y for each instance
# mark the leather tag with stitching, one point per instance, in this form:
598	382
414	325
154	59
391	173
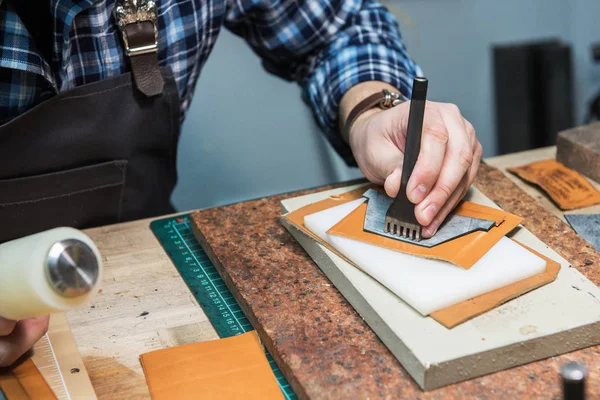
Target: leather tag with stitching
566	187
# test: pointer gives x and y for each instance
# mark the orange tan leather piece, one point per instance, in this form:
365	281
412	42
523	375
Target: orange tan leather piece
24	381
463	251
462	312
11	387
297	217
566	187
33	382
231	368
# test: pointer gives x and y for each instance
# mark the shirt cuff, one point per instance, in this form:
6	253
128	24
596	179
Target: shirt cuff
333	77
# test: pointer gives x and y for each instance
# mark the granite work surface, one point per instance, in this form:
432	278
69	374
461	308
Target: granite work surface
322	345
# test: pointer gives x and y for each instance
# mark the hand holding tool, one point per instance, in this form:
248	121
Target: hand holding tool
400	218
52	271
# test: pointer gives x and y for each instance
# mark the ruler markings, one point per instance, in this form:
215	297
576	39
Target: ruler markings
46	362
185	242
62	379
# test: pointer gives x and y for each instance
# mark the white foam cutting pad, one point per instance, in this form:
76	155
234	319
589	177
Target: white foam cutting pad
427	285
560	317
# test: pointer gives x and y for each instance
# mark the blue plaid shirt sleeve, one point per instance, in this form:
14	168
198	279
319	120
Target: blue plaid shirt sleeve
327	47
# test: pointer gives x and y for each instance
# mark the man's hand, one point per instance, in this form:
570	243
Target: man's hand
16	338
447	163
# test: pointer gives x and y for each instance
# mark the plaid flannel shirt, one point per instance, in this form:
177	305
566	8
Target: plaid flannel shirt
326	46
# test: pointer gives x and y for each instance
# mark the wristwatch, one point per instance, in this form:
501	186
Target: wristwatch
384	100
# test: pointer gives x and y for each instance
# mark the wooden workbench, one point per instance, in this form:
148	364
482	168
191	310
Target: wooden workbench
139	277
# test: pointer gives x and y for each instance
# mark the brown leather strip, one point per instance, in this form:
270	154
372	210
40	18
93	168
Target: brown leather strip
32	381
11	387
140	34
145	67
146	74
360	108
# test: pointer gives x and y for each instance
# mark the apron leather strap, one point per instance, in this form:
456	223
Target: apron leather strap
141	43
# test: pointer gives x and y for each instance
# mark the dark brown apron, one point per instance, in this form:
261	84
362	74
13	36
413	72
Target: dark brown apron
98	154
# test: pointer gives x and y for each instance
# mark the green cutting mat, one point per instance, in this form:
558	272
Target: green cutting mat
204	281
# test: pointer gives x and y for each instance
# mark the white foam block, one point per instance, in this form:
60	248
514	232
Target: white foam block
428	285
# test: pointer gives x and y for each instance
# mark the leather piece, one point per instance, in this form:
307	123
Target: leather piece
566	187
140	34
462	312
463	251
145	67
24	381
146	73
364	105
10	385
231	368
466	310
32	381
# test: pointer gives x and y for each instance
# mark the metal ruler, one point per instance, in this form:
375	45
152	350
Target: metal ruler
202	278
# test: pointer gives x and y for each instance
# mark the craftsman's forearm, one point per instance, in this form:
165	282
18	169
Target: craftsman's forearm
354	96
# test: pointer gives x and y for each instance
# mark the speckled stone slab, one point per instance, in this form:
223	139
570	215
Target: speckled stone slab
322	345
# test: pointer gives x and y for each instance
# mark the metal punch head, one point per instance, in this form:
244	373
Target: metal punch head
404	229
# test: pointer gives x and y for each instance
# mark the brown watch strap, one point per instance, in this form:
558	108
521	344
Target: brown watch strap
384	99
360	108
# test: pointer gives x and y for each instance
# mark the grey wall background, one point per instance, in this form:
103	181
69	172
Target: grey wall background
248	134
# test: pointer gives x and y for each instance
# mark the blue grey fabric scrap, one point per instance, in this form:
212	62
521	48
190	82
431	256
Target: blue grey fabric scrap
454	226
587	226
